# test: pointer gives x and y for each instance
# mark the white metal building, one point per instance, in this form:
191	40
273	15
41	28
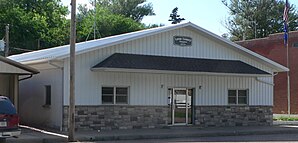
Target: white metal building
173	75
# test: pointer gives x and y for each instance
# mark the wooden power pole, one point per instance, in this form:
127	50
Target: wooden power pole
94	30
6	49
71	113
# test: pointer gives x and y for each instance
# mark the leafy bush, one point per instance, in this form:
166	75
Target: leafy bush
283	118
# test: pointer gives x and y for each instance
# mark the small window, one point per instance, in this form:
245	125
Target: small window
114	95
295	45
238	97
121	95
107	95
232	95
48	95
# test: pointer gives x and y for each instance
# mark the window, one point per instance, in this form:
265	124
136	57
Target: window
48	95
295	45
114	95
238	97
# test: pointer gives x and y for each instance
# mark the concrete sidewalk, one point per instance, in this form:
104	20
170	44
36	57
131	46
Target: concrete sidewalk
169	132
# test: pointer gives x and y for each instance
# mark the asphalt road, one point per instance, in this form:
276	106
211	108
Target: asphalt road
250	138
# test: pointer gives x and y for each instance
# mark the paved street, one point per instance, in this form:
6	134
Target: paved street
283	133
238	139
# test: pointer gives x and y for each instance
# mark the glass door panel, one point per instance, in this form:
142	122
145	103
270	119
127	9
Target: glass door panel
180	106
180	101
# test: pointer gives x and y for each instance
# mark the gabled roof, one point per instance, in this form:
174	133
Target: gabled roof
18	65
83	47
165	63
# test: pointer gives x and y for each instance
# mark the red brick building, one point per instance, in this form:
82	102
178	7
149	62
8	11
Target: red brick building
273	48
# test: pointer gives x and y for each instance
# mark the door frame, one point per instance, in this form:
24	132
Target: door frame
172	123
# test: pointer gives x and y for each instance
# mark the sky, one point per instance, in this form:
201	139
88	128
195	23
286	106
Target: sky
208	14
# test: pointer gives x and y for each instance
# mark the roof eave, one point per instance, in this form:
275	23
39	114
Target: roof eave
19	65
104	69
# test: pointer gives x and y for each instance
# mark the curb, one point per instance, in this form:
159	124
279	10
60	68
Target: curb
179	135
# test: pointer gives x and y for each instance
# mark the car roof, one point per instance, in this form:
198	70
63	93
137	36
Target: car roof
6	107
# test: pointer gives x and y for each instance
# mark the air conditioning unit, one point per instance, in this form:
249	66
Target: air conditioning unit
2	45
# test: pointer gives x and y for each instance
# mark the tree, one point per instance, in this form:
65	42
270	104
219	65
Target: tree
34	23
107	23
225	35
153	25
257	18
175	18
134	9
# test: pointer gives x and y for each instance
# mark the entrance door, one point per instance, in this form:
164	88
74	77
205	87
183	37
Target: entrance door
181	106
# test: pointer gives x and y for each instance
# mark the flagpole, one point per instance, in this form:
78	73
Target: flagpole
286	42
288	77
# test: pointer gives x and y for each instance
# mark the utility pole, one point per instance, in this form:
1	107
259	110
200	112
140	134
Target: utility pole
94	32
71	112
6	50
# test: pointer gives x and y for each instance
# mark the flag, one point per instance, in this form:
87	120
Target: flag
286	11
285	18
286	33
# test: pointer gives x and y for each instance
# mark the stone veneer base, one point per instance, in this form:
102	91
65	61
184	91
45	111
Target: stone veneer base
221	116
110	117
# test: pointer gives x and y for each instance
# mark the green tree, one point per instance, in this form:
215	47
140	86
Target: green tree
175	18
34	23
107	23
134	9
251	19
153	25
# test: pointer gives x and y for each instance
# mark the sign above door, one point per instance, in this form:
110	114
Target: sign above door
182	40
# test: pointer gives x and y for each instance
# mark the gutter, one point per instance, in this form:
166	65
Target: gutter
30	76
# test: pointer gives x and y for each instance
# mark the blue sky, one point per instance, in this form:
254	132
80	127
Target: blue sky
209	14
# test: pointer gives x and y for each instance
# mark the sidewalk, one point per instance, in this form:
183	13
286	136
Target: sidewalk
170	132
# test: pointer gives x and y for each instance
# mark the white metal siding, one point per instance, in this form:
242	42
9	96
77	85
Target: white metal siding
145	88
151	89
32	92
7	68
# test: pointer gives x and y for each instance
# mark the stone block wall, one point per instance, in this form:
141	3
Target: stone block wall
110	117
221	116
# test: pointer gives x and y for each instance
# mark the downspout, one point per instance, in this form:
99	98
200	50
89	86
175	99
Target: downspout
269	83
265	82
62	97
62	100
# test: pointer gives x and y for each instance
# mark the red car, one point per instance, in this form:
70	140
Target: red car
9	119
